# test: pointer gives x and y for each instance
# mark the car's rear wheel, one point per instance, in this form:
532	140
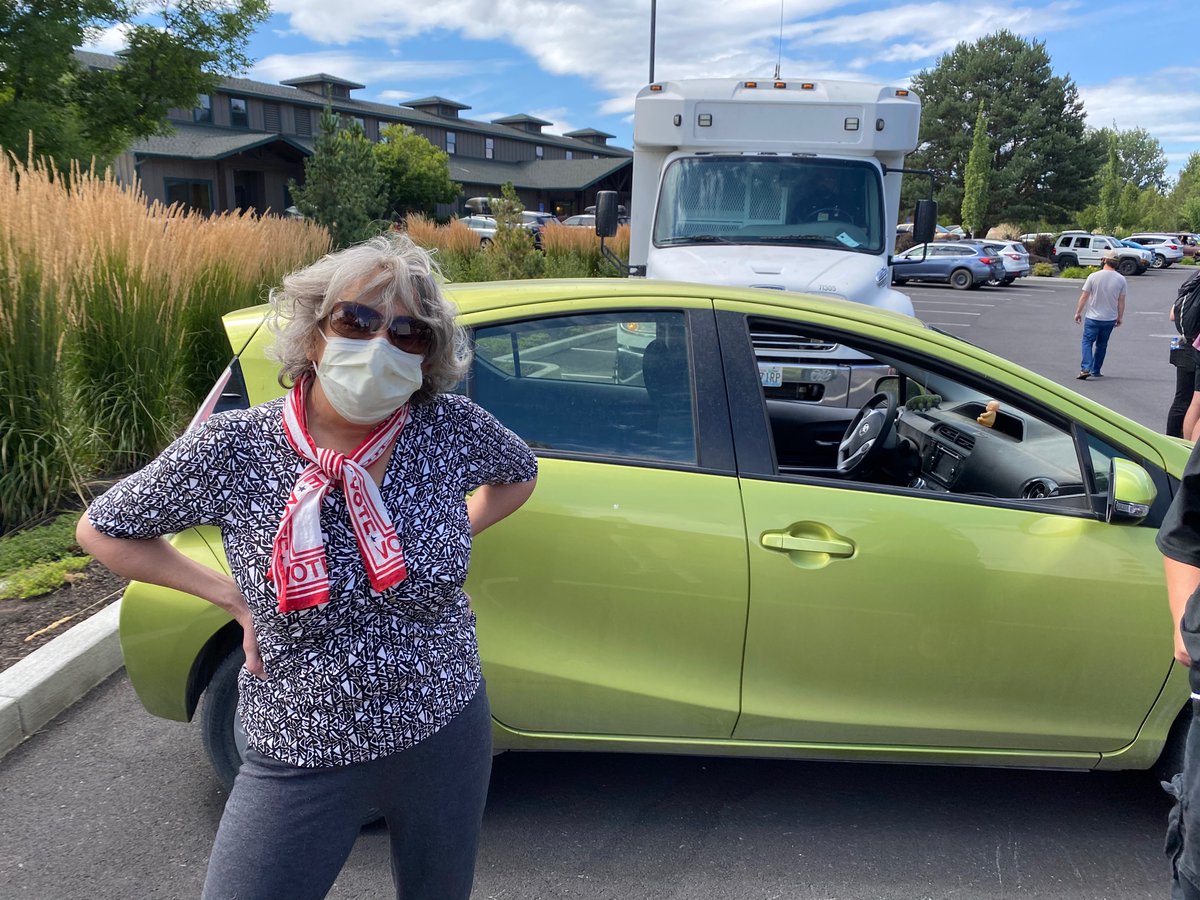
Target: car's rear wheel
221	732
1127	266
483	242
1009	280
1066	261
1159	261
962	279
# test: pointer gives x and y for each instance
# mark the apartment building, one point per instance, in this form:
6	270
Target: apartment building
240	145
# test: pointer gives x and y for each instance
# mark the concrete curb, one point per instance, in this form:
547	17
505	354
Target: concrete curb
39	687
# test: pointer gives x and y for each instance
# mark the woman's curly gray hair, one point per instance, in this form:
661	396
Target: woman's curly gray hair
389	273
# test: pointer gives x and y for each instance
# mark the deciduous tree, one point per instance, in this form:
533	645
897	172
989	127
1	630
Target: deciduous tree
75	113
1043	161
1141	159
417	174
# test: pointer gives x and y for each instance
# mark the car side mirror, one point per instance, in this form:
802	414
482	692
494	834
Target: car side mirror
924	221
1131	493
606	213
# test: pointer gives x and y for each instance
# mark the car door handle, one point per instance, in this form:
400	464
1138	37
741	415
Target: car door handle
782	540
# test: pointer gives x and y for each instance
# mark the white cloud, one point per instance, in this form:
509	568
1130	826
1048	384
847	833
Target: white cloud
1172	116
371	71
108	40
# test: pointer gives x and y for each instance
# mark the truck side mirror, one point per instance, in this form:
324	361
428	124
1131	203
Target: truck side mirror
606	213
924	220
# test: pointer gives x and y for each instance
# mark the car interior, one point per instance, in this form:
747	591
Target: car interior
904	424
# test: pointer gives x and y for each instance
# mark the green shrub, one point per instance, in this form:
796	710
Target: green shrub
41	578
1077	271
1044	269
44	543
1189	261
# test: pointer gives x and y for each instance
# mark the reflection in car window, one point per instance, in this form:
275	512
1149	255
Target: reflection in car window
613	384
937	444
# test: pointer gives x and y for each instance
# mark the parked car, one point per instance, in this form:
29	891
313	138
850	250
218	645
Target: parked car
1167	248
583	220
961	264
1146	254
710	565
1079	248
535	222
484	226
1015	257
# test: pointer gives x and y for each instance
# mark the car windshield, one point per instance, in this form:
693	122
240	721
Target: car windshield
798	201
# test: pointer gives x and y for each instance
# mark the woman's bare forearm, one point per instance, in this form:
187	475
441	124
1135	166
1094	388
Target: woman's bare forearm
155	561
493	502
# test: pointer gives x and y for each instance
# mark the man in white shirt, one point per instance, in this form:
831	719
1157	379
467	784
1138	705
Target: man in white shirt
1101	309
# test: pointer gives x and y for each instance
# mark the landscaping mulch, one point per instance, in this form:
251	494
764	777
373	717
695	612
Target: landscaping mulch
30	623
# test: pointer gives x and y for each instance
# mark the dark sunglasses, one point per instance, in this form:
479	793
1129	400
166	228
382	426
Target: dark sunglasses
361	323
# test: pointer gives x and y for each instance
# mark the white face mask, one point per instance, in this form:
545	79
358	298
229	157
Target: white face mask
367	381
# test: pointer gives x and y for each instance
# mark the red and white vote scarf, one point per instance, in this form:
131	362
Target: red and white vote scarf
298	566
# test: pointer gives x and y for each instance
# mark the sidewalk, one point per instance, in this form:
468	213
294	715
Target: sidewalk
43	684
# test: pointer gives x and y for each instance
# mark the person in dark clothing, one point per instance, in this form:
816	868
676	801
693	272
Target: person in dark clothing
1184	412
1179	541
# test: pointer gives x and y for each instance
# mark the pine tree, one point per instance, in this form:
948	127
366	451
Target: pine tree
343	188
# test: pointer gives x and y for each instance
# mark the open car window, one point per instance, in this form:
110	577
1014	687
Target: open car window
951	435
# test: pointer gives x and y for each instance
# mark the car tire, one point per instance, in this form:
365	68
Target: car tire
962	279
1009	280
1170	761
484	241
221	731
1127	267
1066	262
1159	262
219	727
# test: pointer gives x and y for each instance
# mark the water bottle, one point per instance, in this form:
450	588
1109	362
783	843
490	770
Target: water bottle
1175	342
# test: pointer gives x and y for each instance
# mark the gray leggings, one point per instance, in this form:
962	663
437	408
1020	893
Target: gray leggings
287	830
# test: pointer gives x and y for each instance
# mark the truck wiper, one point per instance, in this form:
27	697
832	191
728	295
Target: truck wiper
699	239
791	238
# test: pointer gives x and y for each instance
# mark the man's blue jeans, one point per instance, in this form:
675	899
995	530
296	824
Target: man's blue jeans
1096	333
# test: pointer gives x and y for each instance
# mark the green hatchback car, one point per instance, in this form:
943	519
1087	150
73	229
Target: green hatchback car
773	525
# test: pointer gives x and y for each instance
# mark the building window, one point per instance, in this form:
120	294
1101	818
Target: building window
489	148
304	122
360	122
539	151
271	117
202	112
239	112
451	142
570	155
595	156
193	195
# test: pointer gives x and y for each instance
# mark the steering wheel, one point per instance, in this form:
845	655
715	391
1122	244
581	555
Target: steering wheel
864	439
835	212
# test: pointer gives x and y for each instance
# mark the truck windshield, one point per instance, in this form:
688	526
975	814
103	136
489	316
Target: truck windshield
800	201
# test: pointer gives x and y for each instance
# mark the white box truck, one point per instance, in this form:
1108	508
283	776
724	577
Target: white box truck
792	185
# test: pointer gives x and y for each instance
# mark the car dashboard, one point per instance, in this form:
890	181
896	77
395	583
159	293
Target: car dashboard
1015	457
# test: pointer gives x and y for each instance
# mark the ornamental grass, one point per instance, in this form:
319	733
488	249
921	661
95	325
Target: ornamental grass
110	331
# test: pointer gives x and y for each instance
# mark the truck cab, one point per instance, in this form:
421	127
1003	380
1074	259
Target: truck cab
774	184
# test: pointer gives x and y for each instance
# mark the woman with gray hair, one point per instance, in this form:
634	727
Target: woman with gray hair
344	516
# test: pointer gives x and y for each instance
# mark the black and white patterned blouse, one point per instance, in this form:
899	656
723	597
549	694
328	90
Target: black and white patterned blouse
366	674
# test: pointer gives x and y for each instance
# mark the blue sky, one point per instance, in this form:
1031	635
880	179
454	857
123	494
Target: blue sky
578	63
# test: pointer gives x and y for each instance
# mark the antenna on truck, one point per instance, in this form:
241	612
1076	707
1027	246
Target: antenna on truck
779	56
